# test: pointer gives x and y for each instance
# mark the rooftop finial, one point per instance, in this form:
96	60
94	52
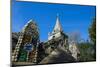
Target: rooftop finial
57	14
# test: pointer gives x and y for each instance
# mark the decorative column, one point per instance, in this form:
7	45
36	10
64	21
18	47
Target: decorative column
17	48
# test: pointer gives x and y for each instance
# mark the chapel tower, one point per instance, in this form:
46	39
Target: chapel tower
56	31
57	38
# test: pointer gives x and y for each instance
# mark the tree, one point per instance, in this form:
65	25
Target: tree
86	52
92	34
92	31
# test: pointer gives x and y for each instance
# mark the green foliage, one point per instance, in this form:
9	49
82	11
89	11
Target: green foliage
92	31
92	34
86	52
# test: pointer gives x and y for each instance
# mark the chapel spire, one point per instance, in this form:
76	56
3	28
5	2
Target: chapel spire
57	27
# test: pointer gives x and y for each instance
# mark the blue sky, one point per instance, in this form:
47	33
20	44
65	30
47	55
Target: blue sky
72	17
